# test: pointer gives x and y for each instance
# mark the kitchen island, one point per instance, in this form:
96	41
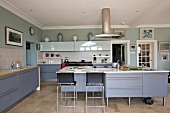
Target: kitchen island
118	83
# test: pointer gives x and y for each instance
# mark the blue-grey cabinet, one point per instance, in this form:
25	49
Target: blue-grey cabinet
155	84
123	85
48	71
8	91
15	86
24	83
34	79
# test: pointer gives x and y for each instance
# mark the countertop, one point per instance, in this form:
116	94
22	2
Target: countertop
106	70
6	72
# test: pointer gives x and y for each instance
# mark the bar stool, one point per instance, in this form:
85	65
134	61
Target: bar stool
93	80
66	80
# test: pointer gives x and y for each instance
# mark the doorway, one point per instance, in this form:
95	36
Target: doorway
118	53
147	53
120	50
31	54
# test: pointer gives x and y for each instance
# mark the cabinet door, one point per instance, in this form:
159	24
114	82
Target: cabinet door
47	46
102	45
45	68
155	84
48	76
92	45
34	82
8	83
8	91
8	100
82	45
24	83
64	46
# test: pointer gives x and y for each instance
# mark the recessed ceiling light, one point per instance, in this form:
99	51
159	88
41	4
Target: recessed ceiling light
82	12
137	11
31	10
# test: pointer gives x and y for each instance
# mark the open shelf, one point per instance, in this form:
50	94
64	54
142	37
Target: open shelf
102	56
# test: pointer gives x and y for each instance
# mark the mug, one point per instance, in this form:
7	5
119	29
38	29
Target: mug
47	54
52	55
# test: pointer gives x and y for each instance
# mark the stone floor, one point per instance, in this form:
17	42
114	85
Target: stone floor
44	101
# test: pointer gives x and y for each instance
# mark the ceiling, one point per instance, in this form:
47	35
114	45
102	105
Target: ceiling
57	14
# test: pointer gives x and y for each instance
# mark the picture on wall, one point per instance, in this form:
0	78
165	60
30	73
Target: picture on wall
164	46
164	56
13	37
147	33
120	32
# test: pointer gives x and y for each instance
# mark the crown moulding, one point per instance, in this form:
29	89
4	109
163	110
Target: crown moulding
16	11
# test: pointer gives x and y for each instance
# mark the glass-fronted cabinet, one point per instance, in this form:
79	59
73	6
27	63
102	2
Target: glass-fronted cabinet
144	55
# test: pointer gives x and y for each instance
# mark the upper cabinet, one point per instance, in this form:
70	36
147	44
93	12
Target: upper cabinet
75	46
92	45
56	46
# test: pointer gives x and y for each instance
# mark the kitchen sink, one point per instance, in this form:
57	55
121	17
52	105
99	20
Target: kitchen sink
15	69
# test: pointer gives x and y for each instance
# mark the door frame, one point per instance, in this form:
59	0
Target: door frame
127	42
155	46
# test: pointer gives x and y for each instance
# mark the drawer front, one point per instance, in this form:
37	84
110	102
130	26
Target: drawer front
48	76
50	68
8	100
129	75
8	83
123	92
123	82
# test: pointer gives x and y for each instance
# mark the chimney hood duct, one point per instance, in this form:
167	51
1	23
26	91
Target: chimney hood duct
106	25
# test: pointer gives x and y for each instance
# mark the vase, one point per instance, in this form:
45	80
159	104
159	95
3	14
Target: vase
74	38
90	36
60	37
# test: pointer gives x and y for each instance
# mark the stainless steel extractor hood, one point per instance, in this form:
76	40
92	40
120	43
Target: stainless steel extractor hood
106	25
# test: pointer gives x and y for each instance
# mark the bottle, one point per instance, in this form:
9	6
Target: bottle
94	59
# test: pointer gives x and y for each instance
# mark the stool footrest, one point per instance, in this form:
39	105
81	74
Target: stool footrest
94	97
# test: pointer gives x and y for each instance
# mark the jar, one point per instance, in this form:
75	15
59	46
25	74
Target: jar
46	39
60	37
74	38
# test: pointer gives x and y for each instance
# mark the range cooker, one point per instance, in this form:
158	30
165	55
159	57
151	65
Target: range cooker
74	63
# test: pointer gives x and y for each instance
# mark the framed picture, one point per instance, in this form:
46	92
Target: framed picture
13	37
147	33
164	56
132	47
164	46
120	32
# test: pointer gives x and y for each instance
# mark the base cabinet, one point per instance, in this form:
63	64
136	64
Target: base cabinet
15	86
8	91
123	85
48	71
155	85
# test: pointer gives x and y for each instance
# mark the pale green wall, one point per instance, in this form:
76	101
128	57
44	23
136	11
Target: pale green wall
11	20
132	34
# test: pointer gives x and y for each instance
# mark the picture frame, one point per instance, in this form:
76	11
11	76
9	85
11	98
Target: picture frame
13	37
120	32
164	46
146	33
132	47
164	56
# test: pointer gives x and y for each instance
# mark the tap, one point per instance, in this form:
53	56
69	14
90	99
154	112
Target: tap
17	65
12	65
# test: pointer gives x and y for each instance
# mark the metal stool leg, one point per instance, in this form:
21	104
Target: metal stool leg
57	99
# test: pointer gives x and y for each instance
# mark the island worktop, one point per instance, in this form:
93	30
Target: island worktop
106	70
118	83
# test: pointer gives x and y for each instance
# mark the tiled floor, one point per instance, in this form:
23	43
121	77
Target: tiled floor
44	101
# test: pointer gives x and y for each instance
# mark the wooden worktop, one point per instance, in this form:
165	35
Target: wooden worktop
7	72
